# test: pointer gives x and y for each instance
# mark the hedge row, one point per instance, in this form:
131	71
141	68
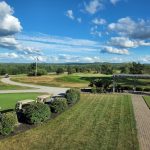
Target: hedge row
36	113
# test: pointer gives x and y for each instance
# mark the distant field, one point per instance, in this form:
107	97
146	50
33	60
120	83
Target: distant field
78	80
8	101
147	100
95	122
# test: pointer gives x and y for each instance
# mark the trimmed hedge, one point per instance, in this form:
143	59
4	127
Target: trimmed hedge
36	113
8	121
58	105
72	96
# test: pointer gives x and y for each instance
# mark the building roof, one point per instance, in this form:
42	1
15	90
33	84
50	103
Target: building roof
43	96
26	101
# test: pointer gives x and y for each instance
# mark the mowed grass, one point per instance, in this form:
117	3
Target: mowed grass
147	100
95	122
8	101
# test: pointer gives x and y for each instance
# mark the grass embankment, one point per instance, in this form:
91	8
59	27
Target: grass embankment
147	100
95	122
8	101
77	80
4	86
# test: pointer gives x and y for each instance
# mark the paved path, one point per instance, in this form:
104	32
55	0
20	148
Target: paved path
36	88
142	116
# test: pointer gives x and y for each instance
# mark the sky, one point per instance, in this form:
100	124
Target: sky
79	31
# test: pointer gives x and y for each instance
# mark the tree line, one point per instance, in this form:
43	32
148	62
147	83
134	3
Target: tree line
104	68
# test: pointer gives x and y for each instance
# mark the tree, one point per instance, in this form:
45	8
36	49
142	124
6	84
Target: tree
59	71
107	69
125	68
101	83
70	70
136	68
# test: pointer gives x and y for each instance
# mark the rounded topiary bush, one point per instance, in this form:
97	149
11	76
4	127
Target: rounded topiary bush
36	113
8	121
58	105
72	95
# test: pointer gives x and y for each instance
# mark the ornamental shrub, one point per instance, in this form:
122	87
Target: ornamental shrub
36	113
72	95
147	89
59	104
40	72
8	121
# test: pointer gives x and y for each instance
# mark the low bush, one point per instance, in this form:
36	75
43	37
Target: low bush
58	105
59	71
40	72
147	89
139	89
72	95
93	90
36	113
127	88
8	121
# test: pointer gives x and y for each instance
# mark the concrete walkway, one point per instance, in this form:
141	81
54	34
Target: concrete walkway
142	116
36	88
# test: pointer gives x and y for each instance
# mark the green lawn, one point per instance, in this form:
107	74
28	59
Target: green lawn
95	122
147	100
8	101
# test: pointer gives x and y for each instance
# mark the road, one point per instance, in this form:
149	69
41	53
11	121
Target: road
36	88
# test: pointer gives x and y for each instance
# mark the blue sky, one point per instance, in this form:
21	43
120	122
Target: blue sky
59	31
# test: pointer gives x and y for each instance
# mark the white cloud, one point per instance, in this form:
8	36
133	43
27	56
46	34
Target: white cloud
8	55
94	31
126	42
69	14
134	29
113	50
93	6
99	21
145	59
70	58
9	24
114	1
59	41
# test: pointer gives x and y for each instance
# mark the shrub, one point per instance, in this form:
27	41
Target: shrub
8	121
127	88
139	89
99	90
59	71
147	89
58	105
40	72
36	113
93	90
72	95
